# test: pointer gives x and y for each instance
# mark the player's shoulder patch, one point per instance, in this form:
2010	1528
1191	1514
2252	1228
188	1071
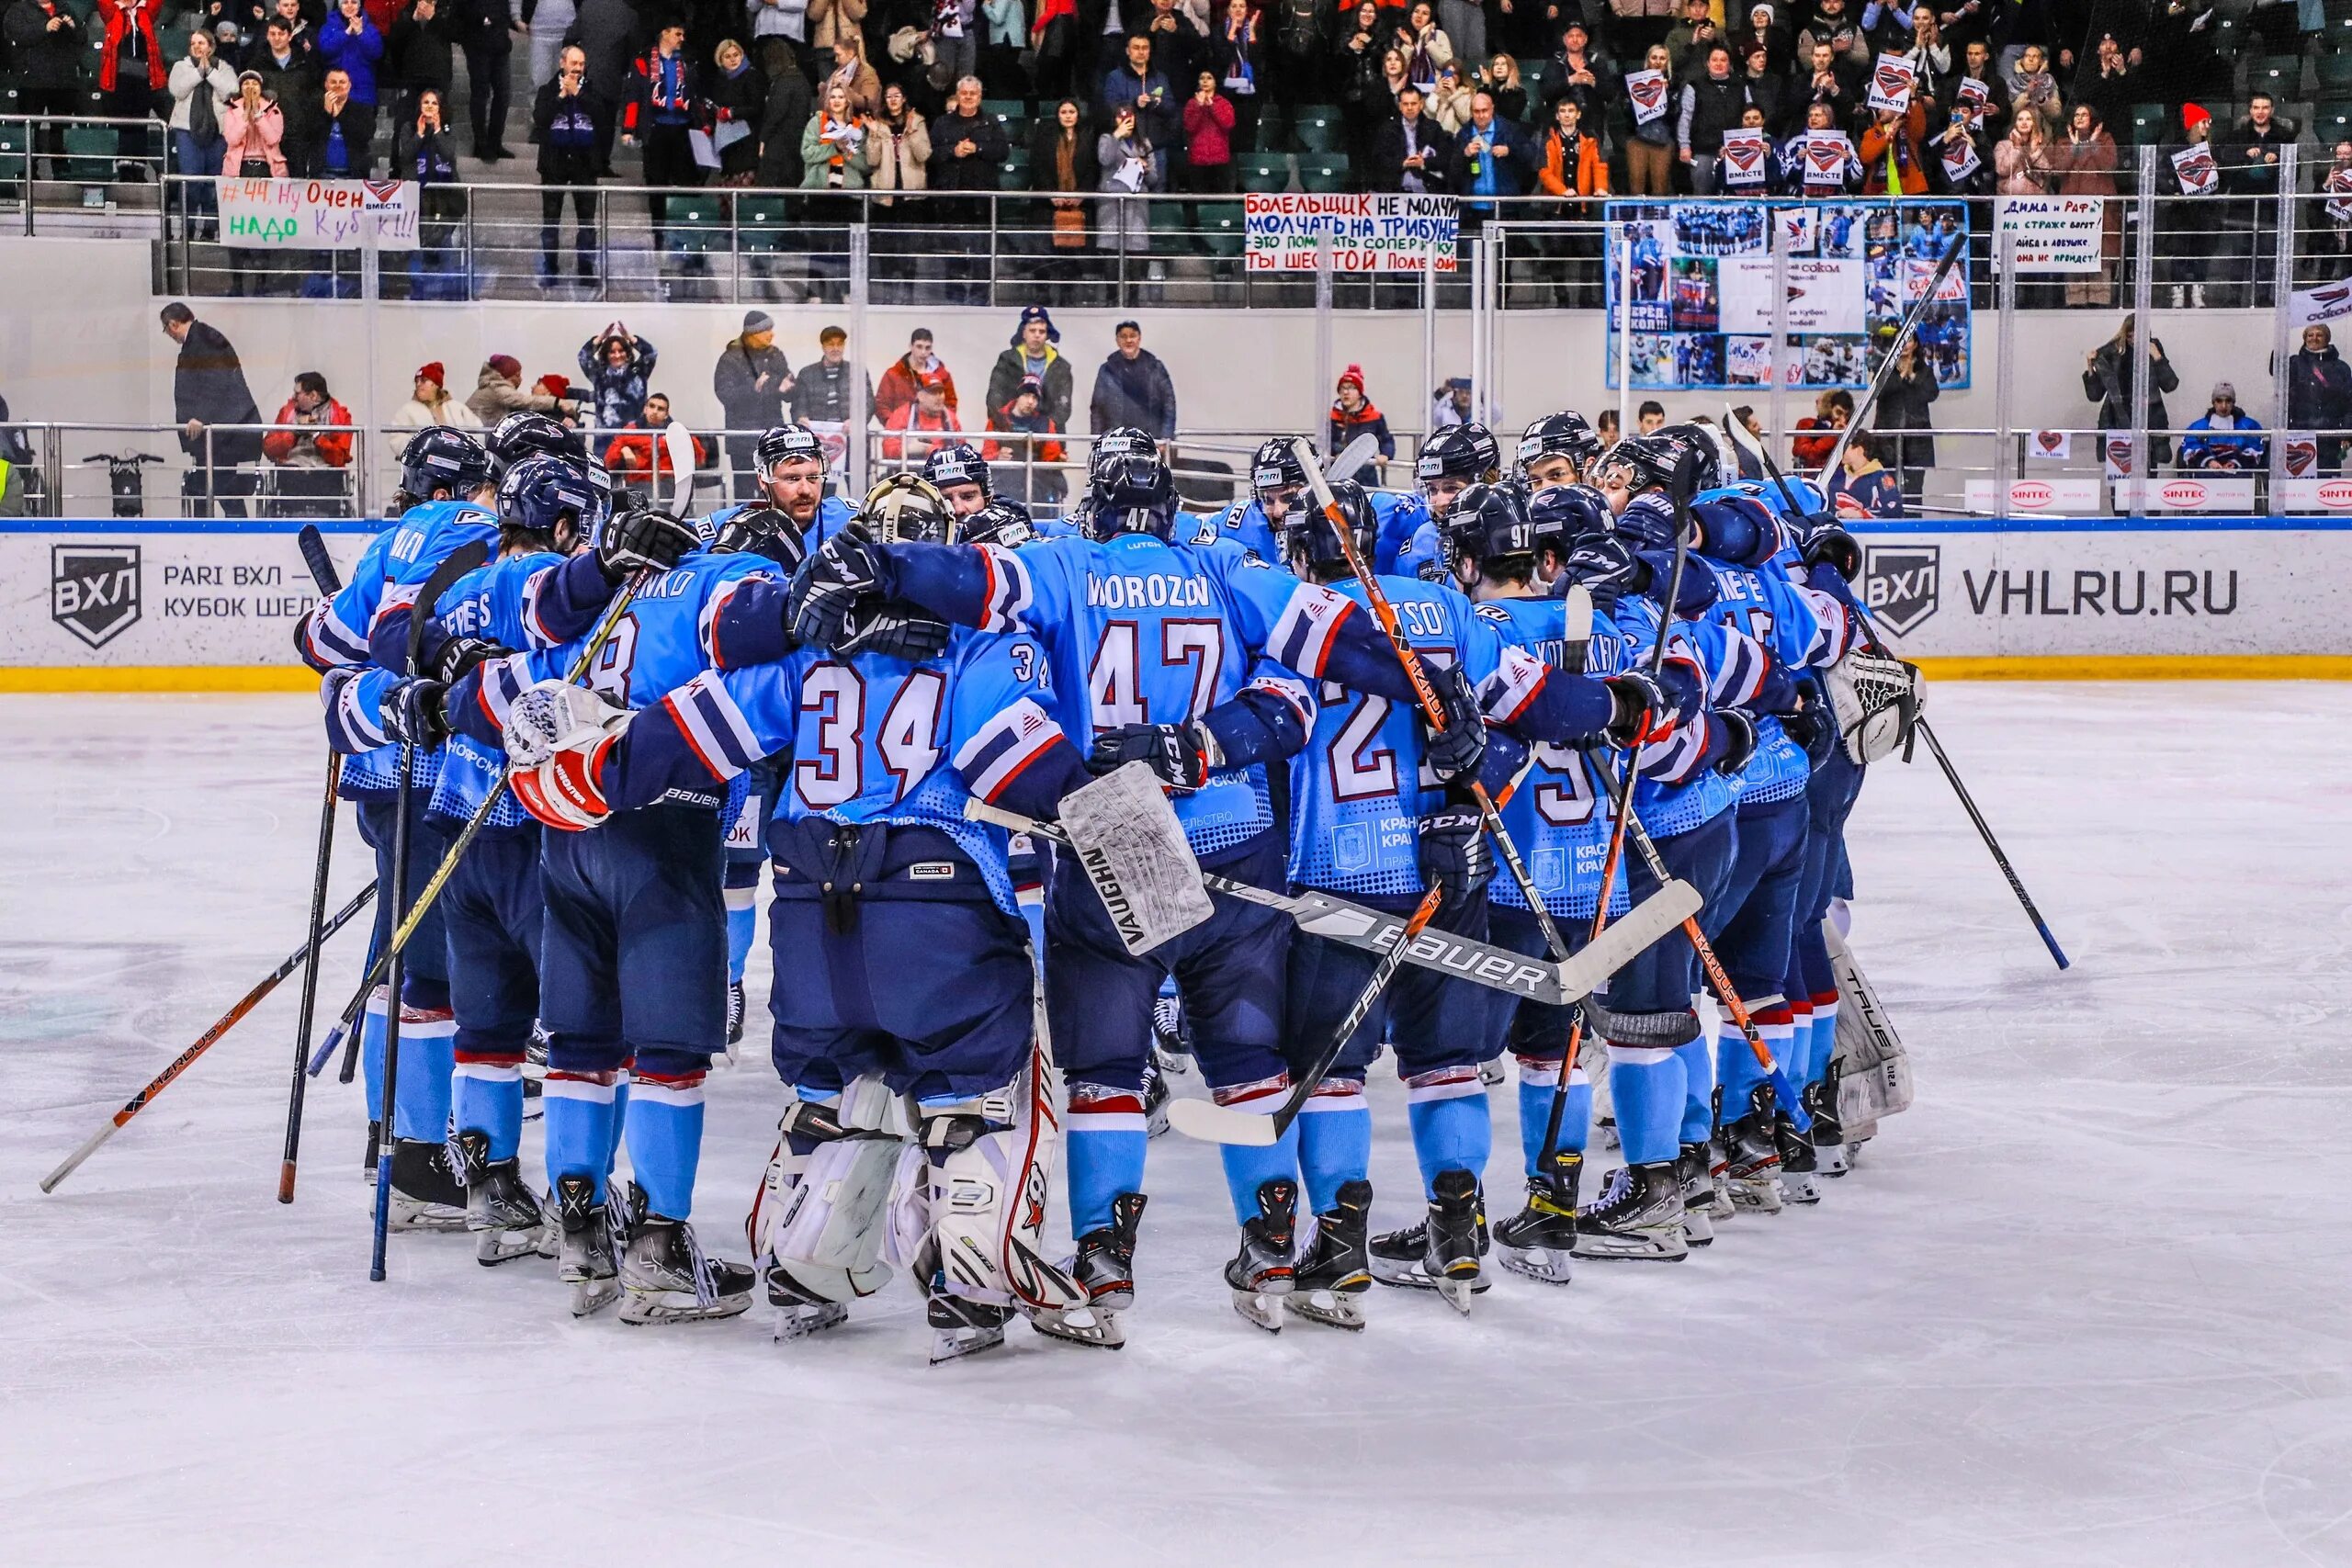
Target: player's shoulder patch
1494	612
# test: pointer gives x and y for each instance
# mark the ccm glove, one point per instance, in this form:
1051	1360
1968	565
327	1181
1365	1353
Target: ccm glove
415	712
1642	714
1455	856
459	655
1832	545
1455	750
636	540
1180	755
1811	726
1740	744
826	590
894	629
1606	566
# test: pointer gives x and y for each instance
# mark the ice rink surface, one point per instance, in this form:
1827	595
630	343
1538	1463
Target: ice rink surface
2089	1301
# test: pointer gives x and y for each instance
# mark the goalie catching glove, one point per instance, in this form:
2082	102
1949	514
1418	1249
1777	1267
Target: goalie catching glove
556	739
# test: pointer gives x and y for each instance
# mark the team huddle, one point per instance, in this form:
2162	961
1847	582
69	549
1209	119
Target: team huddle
1060	816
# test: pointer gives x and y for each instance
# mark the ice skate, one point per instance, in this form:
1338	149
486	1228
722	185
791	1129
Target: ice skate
427	1195
1537	1240
665	1278
1334	1271
1797	1183
504	1213
1261	1276
735	1009
1752	1157
1831	1156
1637	1217
585	1256
1440	1253
1105	1266
1156	1096
1694	1169
961	1328
799	1313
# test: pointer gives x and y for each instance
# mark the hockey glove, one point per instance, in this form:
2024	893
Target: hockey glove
1812	724
825	588
459	655
635	540
1642	712
1741	743
1180	755
556	737
1831	544
415	713
1607	567
1455	856
894	629
1455	750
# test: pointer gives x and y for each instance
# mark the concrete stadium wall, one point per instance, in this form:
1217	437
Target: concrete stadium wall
79	341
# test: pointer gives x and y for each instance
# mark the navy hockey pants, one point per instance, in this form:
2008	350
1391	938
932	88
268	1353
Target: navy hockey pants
634	960
1750	927
1664	977
1431	1020
1228	969
496	914
425	962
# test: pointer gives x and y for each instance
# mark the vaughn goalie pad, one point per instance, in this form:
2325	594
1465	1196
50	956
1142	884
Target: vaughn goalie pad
1877	703
1874	1071
1133	850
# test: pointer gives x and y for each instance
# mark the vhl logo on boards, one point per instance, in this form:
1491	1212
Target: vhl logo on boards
93	590
1900	584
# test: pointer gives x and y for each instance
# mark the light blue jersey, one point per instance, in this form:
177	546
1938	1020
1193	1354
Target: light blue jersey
1771	622
1675	794
498	603
1139	631
1556	814
1359	788
876	738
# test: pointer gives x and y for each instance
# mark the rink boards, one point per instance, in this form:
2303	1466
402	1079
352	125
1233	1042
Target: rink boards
175	604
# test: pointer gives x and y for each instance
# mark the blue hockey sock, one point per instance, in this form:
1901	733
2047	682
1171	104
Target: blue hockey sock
428	1060
1452	1128
1537	1082
1334	1146
580	1123
1645	1082
371	1050
1824	1041
1248	1168
489	1096
1103	1139
1799	1051
1698	1090
620	1118
1735	1065
743	926
664	1125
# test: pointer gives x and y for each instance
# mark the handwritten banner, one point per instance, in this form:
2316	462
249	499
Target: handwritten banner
2052	233
318	214
1369	233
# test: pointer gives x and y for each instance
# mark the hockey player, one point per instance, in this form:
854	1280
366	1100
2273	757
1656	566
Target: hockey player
492	904
445	485
874	861
1278	495
1452	461
958	471
1153	654
1555	450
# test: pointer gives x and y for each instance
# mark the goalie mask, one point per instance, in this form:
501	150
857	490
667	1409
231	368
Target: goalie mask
1313	549
906	509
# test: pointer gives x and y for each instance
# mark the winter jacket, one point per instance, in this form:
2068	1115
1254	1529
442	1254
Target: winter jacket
1903	406
209	385
744	403
2207	445
1584	172
1136	392
418	55
221	82
783	118
1045	138
737	99
315	447
2106	381
619	391
1908	139
817	157
121	18
1391	146
1208	131
495	397
901	159
1366	420
821	393
978	172
606	31
566	131
48	61
642	450
910	421
1004	382
1709	109
356	54
661	93
2319	390
264	136
829	20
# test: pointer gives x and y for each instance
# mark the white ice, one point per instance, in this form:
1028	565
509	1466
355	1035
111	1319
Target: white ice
2088	1302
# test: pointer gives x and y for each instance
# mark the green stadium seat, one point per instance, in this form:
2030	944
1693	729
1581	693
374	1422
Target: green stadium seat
2331	122
697	226
762	223
1323	174
1015	169
1318	127
2334	73
1009	113
1263	171
2151	125
1273	128
16	150
90	151
2280	75
1226	229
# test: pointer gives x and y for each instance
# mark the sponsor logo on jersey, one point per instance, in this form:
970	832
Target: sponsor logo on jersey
1901	584
93	590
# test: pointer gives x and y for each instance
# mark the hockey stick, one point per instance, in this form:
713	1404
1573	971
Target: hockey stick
472	829
1426	694
330	582
1911	320
459	562
1654	918
1952	775
1352	456
206	1040
1353	925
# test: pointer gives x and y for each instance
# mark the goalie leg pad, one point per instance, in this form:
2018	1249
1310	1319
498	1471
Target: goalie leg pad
990	1182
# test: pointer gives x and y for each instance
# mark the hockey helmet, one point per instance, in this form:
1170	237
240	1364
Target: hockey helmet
520	434
444	459
958	465
1275	468
540	495
1563	434
1562	514
1488	523
1000	522
906	509
784	444
1130	485
1309	543
1460	452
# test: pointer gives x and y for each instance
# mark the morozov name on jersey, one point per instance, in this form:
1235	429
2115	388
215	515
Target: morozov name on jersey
1157	591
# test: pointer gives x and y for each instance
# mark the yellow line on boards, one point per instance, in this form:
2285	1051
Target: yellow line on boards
158	678
2144	667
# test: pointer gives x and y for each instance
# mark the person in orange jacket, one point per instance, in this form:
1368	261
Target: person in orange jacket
1907	134
638	453
928	412
318	440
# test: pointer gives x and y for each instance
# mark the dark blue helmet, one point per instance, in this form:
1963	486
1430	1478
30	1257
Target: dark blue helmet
1562	514
1488	523
1277	467
1564	434
957	463
1000	522
540	495
439	457
1131	487
1460	452
520	434
786	444
1307	536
